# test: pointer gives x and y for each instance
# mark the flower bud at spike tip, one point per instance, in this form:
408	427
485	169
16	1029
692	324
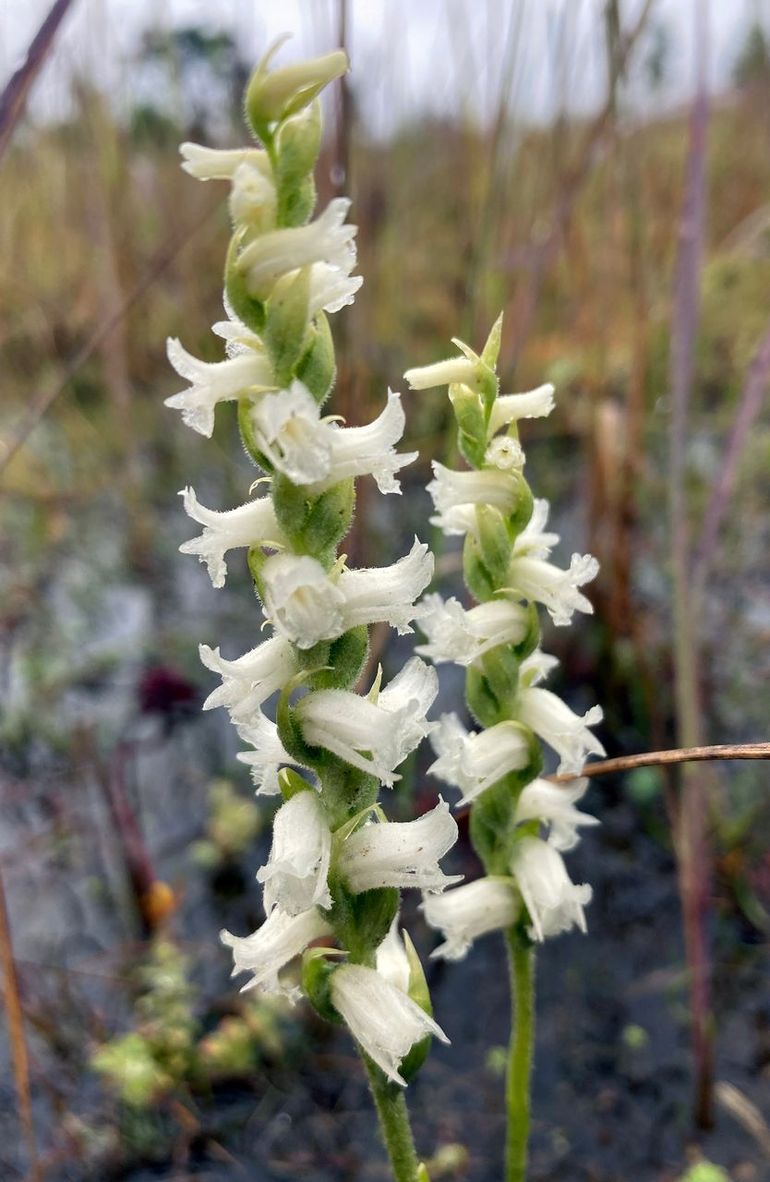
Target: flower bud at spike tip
271	97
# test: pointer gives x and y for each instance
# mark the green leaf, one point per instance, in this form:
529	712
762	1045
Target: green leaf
491	350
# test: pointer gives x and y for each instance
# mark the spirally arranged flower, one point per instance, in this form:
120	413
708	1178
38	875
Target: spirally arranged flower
523	823
332	879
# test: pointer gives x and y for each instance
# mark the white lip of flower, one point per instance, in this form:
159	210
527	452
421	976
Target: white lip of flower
381	1017
251	524
554	805
387	593
486	487
301	601
560	727
252	197
533	541
250	680
325	240
391	960
556	589
220	164
554	902
249	372
536	667
509	408
470	911
462	636
505	453
444	373
295	877
332	288
370	450
266	952
269	754
315	452
399	853
373	737
474	761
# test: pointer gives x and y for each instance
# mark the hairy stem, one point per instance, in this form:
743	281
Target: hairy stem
390	1102
521	964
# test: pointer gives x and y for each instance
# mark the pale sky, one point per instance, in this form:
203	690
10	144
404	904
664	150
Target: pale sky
407	55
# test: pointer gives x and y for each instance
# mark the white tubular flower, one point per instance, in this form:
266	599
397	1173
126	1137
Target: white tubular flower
505	453
250	680
211	382
450	489
474	761
558	726
554	902
400	853
295	877
555	588
554	805
444	373
251	524
382	1018
252	198
455	634
373	737
509	408
220	164
369	450
387	593
468	912
301	601
533	541
266	952
269	754
326	240
312	451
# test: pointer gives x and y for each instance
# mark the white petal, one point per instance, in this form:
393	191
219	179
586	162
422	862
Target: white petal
301	601
289	431
295	876
560	727
509	408
400	854
391	960
250	680
554	804
470	911
460	635
247	373
474	762
557	590
266	952
554	902
251	524
325	240
382	1019
209	164
268	756
387	593
444	373
369	450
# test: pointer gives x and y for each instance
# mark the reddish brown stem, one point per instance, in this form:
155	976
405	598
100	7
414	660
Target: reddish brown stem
627	763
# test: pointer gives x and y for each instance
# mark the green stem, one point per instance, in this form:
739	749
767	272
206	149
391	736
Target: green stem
521	963
390	1102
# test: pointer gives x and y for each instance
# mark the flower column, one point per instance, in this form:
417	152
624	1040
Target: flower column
336	864
527	892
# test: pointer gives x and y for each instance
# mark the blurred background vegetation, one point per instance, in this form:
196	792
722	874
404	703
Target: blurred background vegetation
128	833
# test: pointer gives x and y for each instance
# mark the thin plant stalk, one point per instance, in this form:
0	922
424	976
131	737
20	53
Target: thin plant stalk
690	821
392	1113
521	967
